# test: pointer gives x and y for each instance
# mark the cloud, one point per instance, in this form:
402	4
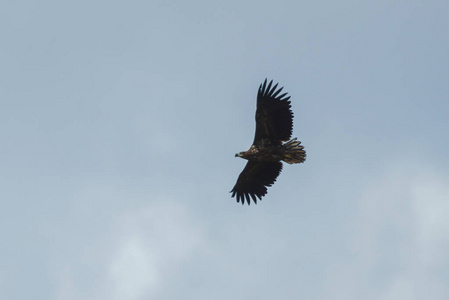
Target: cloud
151	243
134	257
399	245
430	207
133	270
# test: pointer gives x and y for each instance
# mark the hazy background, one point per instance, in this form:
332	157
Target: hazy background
119	121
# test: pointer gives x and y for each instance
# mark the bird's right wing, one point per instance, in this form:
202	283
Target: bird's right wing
254	179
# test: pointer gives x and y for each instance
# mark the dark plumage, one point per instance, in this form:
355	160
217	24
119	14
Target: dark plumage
274	125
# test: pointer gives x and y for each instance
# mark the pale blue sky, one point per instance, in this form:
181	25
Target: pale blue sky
120	121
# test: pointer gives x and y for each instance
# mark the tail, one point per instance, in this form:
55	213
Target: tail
294	152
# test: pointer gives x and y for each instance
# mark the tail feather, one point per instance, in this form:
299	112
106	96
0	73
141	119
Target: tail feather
294	152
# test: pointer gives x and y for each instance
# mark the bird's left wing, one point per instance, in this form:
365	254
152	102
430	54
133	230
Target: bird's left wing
274	118
254	180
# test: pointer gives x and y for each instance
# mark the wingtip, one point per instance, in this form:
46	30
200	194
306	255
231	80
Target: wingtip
262	86
269	87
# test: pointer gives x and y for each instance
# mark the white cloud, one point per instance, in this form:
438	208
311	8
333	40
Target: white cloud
151	243
430	206
135	258
400	239
65	290
133	270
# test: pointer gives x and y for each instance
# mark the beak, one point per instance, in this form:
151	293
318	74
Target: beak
236	155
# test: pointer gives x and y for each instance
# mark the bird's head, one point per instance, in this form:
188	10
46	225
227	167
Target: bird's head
240	154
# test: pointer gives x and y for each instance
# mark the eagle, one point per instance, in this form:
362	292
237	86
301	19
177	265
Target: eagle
271	145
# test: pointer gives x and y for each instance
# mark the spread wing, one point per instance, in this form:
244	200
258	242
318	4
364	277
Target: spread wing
274	119
254	179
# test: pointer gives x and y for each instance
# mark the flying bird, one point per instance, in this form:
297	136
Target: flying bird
274	125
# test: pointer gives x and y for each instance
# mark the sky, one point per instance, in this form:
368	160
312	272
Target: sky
119	122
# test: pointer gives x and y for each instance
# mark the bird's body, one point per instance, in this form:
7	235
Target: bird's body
274	125
289	152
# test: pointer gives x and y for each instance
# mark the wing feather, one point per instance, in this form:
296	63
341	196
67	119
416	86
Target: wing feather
274	118
254	180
